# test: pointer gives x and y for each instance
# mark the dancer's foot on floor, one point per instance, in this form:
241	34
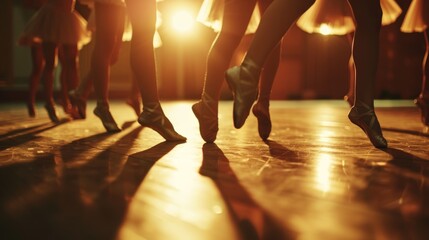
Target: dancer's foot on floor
102	111
52	113
364	117
262	113
154	118
31	109
79	103
206	114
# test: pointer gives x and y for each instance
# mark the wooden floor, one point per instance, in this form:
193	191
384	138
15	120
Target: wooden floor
316	178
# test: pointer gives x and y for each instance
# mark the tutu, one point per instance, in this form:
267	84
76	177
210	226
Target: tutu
91	2
55	24
335	17
417	17
211	15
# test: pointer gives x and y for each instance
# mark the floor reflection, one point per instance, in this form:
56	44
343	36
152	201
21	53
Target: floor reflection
315	178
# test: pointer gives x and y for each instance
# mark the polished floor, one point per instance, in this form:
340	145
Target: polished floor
316	178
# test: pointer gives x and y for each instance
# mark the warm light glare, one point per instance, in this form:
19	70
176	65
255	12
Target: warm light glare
325	29
325	136
323	172
182	21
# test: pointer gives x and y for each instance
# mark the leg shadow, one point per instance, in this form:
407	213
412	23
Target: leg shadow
252	220
411	132
21	136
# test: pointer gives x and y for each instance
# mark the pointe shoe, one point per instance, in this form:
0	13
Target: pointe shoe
52	113
423	104
207	119
155	119
106	118
78	102
262	113
349	99
368	122
243	82
31	109
135	105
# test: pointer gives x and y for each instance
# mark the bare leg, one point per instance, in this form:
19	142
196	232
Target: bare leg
38	63
261	108
143	65
69	59
244	80
422	100
365	54
50	54
236	16
350	96
107	18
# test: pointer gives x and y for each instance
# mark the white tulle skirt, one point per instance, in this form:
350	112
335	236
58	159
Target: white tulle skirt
56	25
417	17
211	15
335	17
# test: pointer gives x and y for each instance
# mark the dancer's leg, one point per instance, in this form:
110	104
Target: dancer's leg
365	54
50	55
236	16
106	21
261	108
350	96
422	100
38	63
243	80
69	59
142	61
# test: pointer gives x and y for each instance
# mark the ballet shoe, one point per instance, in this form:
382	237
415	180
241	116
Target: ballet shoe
262	113
52	113
106	118
31	109
73	112
423	104
207	119
368	122
79	103
134	104
349	99
243	82
155	119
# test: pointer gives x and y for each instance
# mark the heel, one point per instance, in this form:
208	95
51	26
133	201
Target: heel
106	118
368	122
155	119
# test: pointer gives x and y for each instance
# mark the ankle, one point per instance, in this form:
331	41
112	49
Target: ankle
103	104
152	106
253	69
